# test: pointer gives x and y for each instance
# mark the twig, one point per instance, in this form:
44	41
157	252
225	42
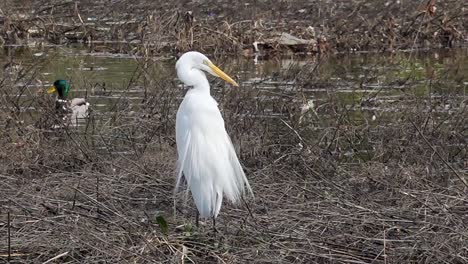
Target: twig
56	257
9	236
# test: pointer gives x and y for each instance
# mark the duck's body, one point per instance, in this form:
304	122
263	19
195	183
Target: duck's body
75	108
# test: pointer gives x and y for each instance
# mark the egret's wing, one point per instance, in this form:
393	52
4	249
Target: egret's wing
183	142
207	158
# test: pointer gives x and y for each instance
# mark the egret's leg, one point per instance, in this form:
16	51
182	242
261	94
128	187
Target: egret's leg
197	216
214	225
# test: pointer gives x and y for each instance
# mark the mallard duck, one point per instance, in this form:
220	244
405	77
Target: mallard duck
75	108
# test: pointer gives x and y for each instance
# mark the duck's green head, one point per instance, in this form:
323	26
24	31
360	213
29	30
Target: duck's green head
61	87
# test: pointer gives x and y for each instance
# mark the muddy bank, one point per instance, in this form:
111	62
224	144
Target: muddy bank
163	27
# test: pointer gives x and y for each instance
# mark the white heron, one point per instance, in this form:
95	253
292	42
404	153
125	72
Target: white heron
206	157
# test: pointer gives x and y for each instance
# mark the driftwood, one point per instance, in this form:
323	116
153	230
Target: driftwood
285	41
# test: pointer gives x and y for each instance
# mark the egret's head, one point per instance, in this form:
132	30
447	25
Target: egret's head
61	87
195	61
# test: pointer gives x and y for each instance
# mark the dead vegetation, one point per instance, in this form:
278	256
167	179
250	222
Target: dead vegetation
357	180
162	27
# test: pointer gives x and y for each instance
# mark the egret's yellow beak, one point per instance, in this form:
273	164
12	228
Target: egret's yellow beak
51	89
220	73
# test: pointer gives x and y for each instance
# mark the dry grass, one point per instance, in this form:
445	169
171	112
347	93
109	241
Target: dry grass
161	27
95	194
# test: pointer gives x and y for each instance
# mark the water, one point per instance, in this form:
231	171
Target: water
371	87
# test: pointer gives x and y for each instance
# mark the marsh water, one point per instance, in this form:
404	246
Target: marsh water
371	86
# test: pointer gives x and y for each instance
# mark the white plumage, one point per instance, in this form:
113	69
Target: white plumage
79	108
207	159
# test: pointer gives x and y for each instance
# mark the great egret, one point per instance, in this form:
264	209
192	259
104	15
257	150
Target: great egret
206	157
77	107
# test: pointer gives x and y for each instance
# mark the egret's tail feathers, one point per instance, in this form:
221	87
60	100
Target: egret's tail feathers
241	179
212	170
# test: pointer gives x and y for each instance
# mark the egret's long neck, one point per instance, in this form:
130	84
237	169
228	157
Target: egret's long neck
200	81
194	77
